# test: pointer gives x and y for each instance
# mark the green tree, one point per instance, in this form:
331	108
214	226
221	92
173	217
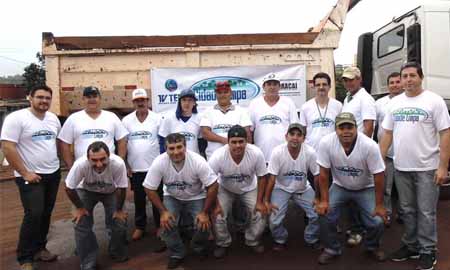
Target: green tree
341	93
34	74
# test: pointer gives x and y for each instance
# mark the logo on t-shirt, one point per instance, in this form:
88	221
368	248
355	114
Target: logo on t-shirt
140	135
94	134
349	171
294	176
237	178
179	185
43	135
410	115
188	136
270	119
322	122
221	128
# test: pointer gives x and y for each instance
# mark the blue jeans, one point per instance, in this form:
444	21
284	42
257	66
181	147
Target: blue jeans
172	238
86	242
418	198
365	201
305	200
38	201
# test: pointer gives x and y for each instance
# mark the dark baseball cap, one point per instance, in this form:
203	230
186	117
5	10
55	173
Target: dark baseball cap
298	127
91	90
187	93
237	131
345	118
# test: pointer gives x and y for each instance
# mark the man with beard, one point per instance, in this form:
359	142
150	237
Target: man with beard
29	144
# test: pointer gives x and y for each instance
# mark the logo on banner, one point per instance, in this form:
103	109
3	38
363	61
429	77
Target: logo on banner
171	85
242	88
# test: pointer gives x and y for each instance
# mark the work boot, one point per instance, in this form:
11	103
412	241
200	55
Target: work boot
44	255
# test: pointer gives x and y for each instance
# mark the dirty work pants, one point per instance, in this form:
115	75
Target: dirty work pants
38	200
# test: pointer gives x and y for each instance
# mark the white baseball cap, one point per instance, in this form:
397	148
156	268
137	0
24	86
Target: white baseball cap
271	77
139	93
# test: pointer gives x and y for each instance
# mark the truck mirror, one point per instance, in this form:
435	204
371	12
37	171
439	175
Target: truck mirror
413	43
364	59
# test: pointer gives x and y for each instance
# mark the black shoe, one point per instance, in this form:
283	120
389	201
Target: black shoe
159	246
427	262
316	245
403	254
202	255
327	258
220	252
174	263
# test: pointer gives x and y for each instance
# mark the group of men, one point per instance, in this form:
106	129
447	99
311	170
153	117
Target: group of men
262	157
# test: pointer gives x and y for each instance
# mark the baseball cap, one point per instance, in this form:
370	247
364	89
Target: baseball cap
187	93
91	90
345	117
297	126
271	77
351	73
139	93
225	85
237	131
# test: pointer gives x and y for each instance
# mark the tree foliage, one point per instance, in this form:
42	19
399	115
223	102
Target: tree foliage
12	79
341	93
34	74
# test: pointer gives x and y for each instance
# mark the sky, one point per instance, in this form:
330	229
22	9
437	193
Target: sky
22	21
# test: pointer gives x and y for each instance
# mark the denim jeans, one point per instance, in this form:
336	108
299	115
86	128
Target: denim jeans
38	200
172	237
418	197
388	183
140	201
86	242
364	199
305	200
255	227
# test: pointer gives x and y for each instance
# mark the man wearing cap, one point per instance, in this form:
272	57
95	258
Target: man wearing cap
355	163
362	105
98	177
28	140
185	120
318	114
91	124
271	115
241	168
418	124
288	169
142	148
217	120
395	88
190	186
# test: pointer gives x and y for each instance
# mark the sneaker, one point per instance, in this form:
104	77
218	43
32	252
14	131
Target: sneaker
27	266
258	249
327	258
376	255
174	262
44	255
220	252
403	254
354	239
138	234
427	262
278	247
159	246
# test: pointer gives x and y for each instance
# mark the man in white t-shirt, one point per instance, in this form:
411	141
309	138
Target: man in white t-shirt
418	123
318	113
216	121
288	172
362	105
271	115
395	88
241	168
355	163
98	177
91	124
29	143
142	148
185	176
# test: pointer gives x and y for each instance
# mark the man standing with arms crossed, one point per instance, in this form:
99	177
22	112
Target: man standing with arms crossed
29	143
418	124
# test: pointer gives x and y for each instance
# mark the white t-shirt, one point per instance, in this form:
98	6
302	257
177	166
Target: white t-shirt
81	130
190	129
143	143
35	139
292	174
220	123
83	176
187	184
362	106
318	121
238	178
354	172
416	122
270	123
382	105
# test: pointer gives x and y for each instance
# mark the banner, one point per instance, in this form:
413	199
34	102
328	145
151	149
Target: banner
245	81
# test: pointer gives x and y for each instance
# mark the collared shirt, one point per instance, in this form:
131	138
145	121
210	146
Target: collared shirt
227	109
